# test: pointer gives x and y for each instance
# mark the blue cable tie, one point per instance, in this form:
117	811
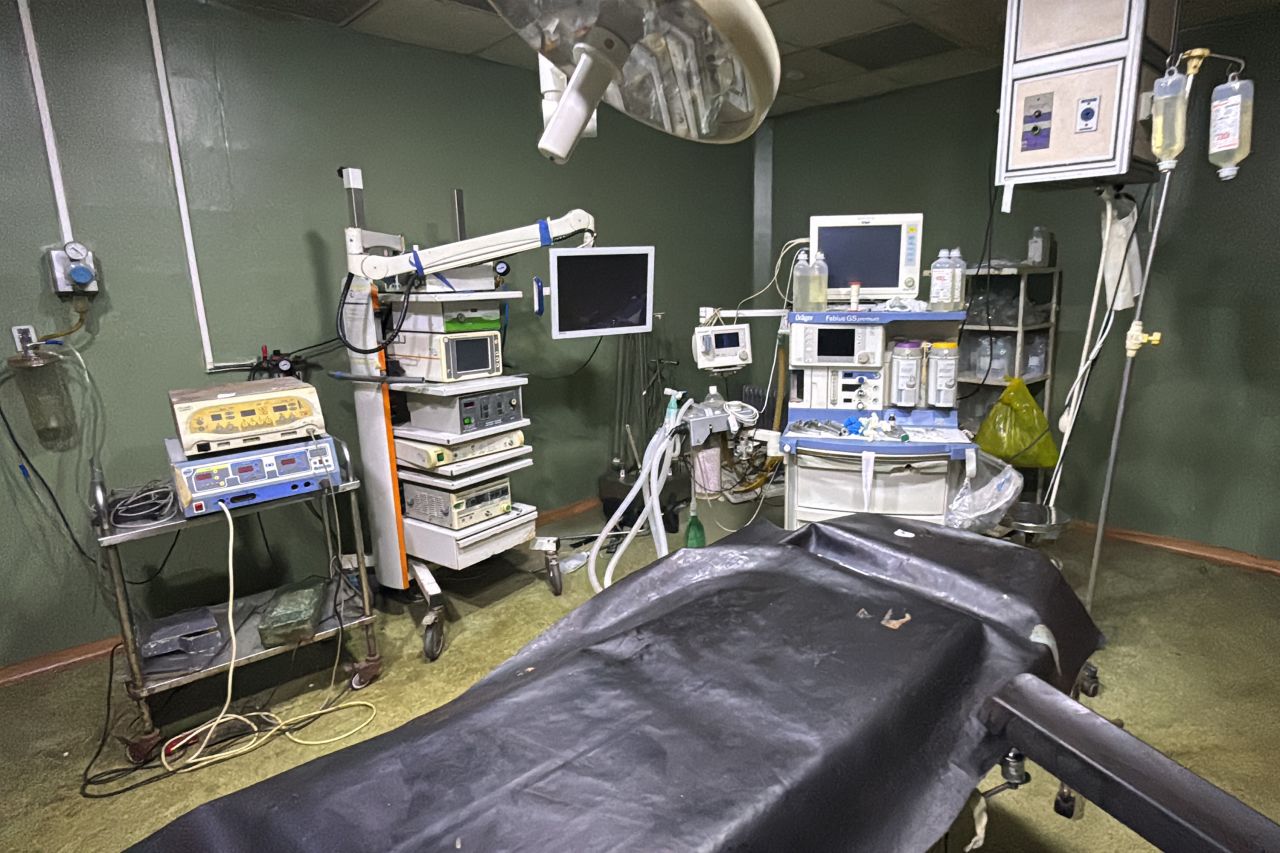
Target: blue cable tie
544	231
538	299
417	262
446	281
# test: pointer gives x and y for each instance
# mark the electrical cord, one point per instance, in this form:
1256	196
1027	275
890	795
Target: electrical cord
148	504
163	562
382	344
257	737
575	371
29	468
984	262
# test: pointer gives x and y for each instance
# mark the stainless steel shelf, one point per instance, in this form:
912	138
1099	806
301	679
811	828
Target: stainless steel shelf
249	648
121	535
976	380
1030	327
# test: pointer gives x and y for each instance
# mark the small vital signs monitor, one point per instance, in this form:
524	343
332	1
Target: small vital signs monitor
242	414
722	348
880	252
601	291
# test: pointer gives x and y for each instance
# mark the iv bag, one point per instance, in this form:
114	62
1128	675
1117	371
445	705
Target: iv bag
1122	266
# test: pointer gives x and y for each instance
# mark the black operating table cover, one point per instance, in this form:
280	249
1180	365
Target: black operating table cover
744	696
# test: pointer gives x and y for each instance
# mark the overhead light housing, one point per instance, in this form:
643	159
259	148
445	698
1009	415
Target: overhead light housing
704	70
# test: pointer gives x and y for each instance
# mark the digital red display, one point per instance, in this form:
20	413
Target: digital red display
245	469
204	475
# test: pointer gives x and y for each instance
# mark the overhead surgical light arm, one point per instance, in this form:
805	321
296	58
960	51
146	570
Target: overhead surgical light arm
476	250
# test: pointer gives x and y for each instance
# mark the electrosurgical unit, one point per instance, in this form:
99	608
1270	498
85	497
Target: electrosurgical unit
722	348
242	414
249	477
457	509
876	255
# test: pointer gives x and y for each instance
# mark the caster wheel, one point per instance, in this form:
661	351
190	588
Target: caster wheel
358	682
1090	687
140	748
555	579
433	639
1067	805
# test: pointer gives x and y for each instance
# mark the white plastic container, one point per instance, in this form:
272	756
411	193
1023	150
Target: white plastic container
1169	118
959	282
805	285
905	371
1002	356
943	375
1230	125
941	274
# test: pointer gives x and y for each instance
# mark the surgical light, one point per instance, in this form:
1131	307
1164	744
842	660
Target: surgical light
705	70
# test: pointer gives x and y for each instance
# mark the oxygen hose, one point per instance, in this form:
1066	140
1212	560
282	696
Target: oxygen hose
659	454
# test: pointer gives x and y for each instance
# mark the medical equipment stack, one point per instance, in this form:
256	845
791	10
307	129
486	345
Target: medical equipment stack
440	422
872	423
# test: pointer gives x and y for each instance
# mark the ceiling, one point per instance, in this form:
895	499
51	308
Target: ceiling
832	50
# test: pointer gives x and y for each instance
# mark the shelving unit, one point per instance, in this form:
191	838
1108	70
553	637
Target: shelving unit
355	610
1034	286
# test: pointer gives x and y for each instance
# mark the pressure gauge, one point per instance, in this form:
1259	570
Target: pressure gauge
76	251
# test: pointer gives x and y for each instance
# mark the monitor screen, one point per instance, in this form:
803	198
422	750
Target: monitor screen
727	340
841	343
868	254
471	355
601	291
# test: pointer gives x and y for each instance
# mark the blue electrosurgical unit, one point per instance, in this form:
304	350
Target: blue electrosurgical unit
252	476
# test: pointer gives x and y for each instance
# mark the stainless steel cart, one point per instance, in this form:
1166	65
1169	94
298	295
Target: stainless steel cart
244	617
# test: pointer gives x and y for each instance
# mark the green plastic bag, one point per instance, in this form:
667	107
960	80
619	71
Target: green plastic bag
1017	431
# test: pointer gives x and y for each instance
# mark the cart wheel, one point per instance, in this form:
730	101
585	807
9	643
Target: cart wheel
1066	804
1089	684
555	579
433	639
138	749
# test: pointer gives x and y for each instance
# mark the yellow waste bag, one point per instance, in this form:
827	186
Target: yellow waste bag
1017	431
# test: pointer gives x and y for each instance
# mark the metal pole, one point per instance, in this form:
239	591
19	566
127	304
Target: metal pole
1130	352
130	638
357	533
1156	797
459	215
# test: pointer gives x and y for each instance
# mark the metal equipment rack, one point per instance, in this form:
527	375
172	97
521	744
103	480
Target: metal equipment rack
246	612
1032	282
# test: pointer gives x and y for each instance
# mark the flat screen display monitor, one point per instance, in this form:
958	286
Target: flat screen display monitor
879	251
601	291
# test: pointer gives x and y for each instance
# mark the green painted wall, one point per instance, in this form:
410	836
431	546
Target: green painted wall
267	109
1204	416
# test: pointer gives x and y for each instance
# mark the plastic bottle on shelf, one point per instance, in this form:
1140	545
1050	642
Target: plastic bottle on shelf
1002	357
803	284
941	274
959	281
1230	125
818	296
1035	355
982	355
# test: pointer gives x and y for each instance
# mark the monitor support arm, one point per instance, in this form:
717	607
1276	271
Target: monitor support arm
476	250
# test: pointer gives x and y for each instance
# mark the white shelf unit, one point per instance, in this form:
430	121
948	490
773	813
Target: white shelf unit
1031	282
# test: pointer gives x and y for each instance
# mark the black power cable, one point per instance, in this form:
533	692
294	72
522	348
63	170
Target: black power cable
30	466
576	370
382	344
164	562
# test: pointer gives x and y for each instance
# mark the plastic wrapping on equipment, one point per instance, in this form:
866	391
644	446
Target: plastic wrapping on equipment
983	499
726	698
1017	431
293	616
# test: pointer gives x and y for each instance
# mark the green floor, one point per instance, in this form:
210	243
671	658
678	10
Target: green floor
1193	667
